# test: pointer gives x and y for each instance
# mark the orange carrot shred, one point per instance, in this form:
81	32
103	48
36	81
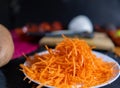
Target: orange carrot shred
71	63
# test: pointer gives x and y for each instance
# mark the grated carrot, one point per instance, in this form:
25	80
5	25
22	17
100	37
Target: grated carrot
71	63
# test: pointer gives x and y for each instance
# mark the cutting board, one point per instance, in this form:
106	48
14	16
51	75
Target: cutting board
99	41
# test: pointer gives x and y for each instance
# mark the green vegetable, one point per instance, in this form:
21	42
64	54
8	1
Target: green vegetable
118	33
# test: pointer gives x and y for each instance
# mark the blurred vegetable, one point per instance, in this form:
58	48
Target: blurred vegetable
42	28
6	46
118	33
56	25
112	31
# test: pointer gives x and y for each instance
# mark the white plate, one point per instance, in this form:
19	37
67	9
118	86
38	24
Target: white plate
98	54
108	59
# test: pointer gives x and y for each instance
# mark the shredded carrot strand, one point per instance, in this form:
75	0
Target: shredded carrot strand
71	63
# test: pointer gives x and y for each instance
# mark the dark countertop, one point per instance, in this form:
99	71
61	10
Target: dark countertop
12	77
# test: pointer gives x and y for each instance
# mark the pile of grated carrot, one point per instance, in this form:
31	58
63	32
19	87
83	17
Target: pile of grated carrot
71	63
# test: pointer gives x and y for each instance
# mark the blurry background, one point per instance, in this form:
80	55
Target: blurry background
14	13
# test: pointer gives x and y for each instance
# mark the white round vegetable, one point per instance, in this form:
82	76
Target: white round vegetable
81	23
